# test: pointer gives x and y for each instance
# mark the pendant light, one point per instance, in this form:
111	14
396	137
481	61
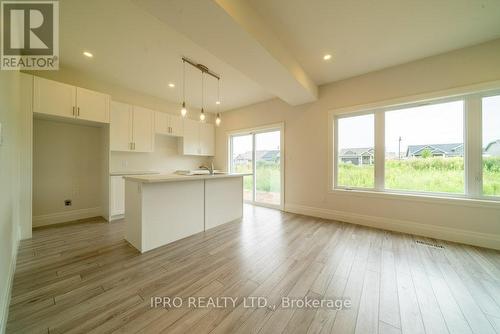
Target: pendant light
202	114
218	120
183	109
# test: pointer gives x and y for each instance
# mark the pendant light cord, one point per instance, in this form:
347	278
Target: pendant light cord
202	89
183	81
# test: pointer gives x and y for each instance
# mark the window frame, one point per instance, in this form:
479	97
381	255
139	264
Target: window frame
472	136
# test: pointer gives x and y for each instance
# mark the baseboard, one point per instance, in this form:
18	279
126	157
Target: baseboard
62	217
404	226
6	294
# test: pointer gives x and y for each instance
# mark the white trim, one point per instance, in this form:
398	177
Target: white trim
404	226
429	198
62	217
7	293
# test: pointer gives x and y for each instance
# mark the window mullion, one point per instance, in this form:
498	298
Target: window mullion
379	150
473	145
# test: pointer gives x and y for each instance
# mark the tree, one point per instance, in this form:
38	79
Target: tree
426	153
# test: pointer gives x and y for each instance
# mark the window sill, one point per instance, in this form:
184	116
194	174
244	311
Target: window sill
424	198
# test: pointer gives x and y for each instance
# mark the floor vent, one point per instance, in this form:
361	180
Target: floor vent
429	244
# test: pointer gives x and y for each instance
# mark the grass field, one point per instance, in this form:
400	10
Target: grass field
427	175
268	176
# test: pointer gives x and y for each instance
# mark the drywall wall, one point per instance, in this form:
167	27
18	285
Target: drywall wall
165	158
10	90
67	164
306	146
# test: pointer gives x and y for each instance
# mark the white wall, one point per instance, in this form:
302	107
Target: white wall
67	164
306	147
12	205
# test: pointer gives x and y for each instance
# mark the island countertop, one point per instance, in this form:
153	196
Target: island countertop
176	177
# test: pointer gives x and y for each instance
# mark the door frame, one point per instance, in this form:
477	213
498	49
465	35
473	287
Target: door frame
253	131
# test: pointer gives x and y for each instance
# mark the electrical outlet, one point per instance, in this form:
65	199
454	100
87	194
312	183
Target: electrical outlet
67	202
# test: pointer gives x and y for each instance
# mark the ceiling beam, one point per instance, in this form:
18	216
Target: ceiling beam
234	32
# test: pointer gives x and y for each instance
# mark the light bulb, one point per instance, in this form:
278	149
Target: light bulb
183	110
202	115
217	120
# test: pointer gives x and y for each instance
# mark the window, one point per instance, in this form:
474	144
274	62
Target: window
424	148
491	145
446	147
355	152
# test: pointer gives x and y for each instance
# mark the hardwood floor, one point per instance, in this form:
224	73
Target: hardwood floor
85	278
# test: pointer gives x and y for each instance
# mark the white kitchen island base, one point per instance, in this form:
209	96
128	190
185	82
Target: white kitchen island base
161	209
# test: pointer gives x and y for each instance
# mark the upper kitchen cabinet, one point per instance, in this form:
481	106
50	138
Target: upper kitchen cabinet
54	98
131	128
92	106
143	129
120	129
63	100
198	139
207	139
169	125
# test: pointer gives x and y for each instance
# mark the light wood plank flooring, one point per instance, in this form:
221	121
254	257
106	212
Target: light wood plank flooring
85	278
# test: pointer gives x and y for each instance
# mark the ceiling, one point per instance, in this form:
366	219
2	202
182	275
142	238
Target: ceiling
133	49
365	36
261	48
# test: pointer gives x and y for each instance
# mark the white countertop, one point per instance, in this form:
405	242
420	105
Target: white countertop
177	178
136	172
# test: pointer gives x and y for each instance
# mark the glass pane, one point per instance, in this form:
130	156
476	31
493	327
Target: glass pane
356	136
242	162
491	146
268	173
424	148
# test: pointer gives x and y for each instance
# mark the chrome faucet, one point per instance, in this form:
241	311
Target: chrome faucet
210	169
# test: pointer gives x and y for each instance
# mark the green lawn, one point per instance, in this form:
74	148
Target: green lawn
424	174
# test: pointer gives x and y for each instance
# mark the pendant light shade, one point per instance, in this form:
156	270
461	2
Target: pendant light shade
183	109
218	119
202	114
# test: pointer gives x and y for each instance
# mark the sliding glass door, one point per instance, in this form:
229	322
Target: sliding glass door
242	162
259	152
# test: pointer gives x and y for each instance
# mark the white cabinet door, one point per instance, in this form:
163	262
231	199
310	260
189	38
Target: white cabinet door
143	130
176	126
191	139
207	139
117	195
92	106
54	98
161	123
120	129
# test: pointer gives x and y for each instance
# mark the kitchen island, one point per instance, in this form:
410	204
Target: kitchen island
160	209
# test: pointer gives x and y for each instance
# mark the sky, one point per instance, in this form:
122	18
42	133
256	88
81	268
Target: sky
429	124
263	141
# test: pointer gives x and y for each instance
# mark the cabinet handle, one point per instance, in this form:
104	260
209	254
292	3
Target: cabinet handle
78	111
134	146
74	113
